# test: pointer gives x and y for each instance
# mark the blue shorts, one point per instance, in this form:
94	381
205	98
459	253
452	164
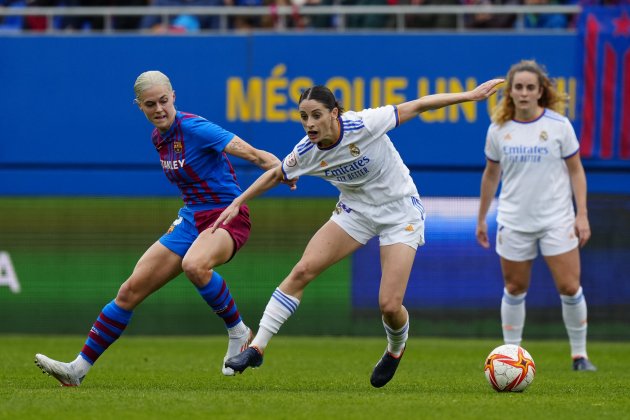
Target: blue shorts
189	224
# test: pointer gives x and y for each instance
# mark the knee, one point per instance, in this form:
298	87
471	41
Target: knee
569	290
127	298
390	306
196	271
515	289
302	273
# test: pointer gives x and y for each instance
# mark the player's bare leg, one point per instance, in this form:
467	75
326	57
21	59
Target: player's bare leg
155	268
329	245
210	250
565	269
516	277
396	263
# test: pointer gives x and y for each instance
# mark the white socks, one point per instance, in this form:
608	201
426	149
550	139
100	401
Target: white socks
80	366
574	316
396	339
512	317
238	330
280	307
573	313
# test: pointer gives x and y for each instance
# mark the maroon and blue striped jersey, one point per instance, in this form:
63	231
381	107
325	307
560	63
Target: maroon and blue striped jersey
193	158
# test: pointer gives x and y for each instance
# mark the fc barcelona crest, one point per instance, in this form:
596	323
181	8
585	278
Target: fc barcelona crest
177	146
354	150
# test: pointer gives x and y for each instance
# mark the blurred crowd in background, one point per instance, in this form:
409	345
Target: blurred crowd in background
270	20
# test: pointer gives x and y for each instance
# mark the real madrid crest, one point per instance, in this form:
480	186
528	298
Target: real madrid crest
354	150
543	135
177	146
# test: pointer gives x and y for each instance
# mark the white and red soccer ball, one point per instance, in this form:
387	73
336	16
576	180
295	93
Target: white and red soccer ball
509	368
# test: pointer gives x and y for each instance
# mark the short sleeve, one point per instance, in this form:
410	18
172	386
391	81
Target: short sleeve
212	136
290	167
379	121
570	144
491	149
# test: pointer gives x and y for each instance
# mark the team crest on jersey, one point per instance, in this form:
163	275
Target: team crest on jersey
342	207
175	223
544	136
177	146
291	160
354	150
323	164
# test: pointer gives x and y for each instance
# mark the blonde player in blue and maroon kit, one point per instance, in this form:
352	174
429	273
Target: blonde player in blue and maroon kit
193	153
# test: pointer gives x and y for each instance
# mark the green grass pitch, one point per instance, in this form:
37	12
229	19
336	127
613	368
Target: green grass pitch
145	377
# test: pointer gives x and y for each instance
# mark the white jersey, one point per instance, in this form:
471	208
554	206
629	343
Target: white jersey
536	189
363	165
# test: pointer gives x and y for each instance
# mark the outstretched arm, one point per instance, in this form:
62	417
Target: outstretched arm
240	148
264	183
411	109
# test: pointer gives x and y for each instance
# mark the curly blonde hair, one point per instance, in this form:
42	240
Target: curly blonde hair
551	98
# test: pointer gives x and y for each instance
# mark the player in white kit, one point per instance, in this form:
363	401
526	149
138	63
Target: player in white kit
352	151
533	151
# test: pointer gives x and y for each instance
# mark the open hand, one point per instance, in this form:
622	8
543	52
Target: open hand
224	218
582	230
485	90
482	234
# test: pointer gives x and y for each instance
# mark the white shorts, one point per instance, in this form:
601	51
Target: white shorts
523	246
400	221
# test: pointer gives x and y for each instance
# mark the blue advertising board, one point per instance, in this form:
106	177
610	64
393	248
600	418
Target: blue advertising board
453	271
70	126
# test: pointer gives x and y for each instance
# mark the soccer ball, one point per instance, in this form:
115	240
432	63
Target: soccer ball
509	368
